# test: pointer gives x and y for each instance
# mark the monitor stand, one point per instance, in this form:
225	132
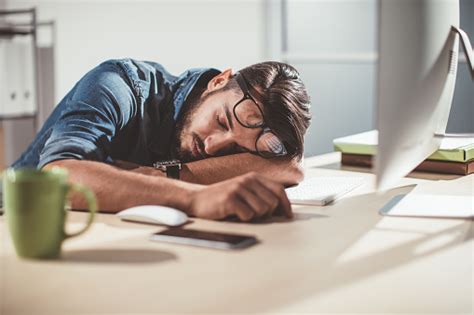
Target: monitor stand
466	44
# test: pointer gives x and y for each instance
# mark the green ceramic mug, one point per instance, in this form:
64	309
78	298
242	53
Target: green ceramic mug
35	210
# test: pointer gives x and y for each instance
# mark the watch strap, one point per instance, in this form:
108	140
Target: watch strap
171	168
172	171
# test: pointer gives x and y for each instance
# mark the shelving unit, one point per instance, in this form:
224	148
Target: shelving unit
9	30
27	80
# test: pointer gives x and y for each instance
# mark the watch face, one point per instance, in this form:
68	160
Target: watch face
172	162
163	165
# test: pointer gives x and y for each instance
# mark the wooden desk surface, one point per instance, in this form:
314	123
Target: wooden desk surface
339	258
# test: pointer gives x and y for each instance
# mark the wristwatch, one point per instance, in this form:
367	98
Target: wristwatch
171	168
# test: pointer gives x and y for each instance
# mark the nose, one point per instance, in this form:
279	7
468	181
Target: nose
217	144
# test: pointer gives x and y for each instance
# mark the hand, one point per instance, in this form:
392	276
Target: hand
248	197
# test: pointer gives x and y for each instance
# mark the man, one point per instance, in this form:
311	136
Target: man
231	133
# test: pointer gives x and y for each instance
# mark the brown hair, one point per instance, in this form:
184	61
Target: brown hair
286	102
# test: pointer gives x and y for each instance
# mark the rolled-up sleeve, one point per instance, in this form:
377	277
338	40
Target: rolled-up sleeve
101	104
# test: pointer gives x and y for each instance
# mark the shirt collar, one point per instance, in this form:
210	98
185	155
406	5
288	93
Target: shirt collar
163	148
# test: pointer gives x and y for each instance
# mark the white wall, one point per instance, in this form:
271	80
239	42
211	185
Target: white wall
177	33
333	44
180	34
461	118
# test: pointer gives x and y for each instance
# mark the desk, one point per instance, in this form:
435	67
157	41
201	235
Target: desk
340	258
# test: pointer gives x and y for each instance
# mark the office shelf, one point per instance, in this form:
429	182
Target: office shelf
9	30
18	116
13	31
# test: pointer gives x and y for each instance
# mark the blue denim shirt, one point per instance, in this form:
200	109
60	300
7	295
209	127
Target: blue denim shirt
121	110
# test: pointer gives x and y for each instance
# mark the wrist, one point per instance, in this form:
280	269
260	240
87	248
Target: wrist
183	197
138	169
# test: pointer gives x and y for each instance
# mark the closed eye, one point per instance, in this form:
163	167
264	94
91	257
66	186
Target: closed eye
221	124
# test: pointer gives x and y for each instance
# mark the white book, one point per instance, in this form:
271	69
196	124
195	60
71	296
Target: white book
370	139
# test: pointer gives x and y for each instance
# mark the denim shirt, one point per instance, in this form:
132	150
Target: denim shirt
121	110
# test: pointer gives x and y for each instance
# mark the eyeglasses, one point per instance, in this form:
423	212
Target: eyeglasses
250	115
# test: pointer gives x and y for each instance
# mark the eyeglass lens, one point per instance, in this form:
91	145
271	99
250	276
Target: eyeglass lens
248	114
269	144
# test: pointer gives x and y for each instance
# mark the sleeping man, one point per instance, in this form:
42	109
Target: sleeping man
212	144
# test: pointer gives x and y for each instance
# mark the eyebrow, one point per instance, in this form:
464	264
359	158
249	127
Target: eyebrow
229	117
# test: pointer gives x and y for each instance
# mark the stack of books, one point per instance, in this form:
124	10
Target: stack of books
455	155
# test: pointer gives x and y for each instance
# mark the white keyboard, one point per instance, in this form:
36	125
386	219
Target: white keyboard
319	191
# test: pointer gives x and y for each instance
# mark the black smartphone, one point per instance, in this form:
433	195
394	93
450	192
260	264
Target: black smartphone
204	238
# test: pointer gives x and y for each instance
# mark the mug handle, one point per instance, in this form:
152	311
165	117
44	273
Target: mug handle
92	205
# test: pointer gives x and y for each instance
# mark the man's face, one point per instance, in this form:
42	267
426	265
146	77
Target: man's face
211	129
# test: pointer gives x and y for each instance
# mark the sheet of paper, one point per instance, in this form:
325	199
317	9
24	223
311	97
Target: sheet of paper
371	137
430	205
364	138
455	143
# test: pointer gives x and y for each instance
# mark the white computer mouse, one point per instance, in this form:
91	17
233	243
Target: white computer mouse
154	214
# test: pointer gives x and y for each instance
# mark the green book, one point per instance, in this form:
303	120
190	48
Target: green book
451	149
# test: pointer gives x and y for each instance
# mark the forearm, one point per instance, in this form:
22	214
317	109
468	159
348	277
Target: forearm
117	189
217	169
212	170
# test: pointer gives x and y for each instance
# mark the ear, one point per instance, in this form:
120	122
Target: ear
218	82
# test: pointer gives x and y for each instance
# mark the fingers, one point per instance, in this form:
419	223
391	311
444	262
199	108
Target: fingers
249	196
241	209
279	191
261	200
264	195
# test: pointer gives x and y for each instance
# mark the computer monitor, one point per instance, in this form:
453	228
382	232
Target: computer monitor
418	58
